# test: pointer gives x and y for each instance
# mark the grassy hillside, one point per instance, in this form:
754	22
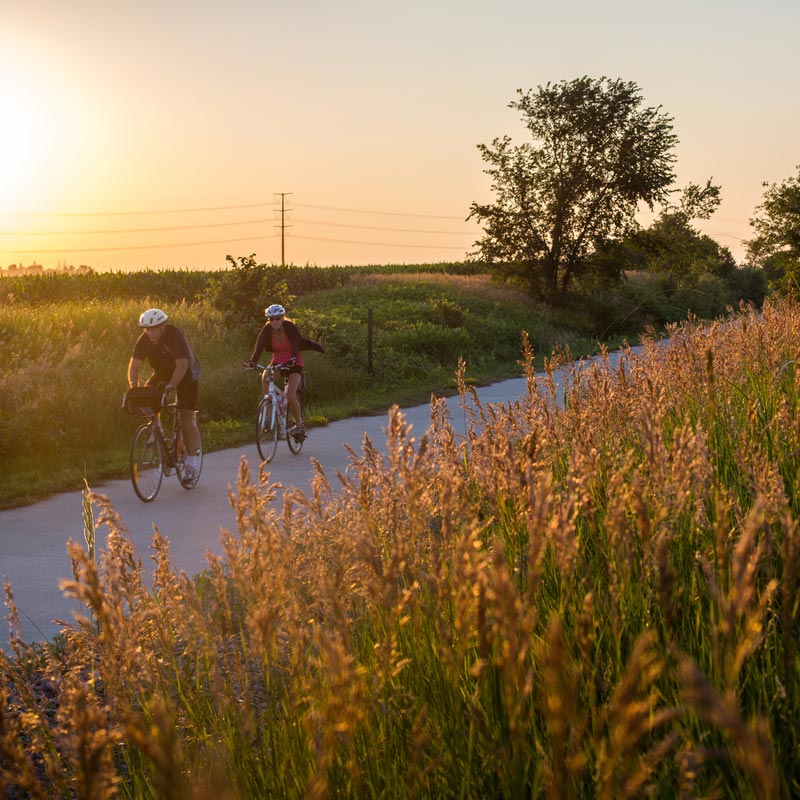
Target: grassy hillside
65	342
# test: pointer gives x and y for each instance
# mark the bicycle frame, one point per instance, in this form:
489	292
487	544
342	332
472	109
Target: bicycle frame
280	401
271	418
171	440
157	450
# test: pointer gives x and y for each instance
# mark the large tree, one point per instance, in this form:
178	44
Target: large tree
776	246
595	155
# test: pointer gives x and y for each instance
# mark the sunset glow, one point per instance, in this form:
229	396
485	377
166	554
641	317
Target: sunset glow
174	135
22	142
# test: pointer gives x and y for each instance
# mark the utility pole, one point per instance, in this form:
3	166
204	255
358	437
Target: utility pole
283	224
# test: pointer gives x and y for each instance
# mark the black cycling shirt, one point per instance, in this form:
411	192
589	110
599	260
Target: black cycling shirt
163	354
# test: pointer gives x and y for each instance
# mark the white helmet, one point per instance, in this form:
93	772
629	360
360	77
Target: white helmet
152	317
275	310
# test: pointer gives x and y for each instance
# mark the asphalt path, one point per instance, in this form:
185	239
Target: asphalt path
33	539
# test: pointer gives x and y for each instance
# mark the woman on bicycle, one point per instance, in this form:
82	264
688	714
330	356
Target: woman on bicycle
281	337
165	347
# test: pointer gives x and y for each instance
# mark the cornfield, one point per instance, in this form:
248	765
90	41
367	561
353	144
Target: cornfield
593	594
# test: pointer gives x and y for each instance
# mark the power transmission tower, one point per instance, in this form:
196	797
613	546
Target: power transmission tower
283	225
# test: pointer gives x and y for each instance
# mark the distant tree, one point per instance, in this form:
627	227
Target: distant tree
776	246
672	245
596	155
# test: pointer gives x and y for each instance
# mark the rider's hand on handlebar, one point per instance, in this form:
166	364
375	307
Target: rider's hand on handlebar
167	392
249	364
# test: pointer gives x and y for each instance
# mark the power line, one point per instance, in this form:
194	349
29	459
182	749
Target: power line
729	235
135	247
283	228
65	250
138	213
380	244
93	231
137	230
222	208
381	213
379	228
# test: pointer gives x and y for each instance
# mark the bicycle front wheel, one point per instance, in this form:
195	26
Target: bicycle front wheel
266	430
189	477
147	463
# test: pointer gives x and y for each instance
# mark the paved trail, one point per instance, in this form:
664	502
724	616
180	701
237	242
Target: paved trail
33	555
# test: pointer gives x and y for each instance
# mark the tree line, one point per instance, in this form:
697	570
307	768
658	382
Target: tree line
563	218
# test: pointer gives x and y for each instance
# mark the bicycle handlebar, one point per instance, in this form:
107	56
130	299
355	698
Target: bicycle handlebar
169	394
249	365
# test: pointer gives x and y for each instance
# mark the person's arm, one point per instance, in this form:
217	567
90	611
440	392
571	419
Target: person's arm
181	365
294	337
263	340
134	365
308	344
179	345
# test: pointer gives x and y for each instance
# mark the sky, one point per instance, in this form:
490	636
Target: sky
171	134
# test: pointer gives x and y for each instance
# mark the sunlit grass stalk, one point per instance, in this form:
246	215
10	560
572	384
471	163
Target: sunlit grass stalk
590	600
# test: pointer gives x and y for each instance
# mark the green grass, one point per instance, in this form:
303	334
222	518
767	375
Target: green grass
63	363
597	600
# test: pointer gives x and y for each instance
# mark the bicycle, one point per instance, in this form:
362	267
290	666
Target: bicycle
271	423
157	447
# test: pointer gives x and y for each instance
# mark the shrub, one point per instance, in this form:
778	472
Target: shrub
450	313
441	345
241	293
707	298
748	285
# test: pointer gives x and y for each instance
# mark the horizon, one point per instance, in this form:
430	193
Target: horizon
174	136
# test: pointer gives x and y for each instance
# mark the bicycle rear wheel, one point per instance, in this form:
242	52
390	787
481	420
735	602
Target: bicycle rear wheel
266	430
293	439
188	478
147	463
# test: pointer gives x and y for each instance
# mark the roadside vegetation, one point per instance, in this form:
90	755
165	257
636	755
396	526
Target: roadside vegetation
65	341
592	600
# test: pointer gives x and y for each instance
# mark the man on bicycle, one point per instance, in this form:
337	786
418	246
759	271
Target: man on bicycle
283	340
165	347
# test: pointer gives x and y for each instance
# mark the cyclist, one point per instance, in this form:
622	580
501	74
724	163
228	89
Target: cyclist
281	337
165	347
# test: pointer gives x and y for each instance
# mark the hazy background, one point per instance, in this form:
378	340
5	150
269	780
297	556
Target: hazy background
367	114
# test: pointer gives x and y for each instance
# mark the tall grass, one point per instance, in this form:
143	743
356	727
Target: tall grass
598	599
63	374
63	358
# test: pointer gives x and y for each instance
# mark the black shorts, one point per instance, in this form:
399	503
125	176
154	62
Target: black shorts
294	370
187	390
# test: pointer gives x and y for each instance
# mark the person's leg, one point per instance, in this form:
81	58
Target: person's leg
294	380
191	433
187	414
